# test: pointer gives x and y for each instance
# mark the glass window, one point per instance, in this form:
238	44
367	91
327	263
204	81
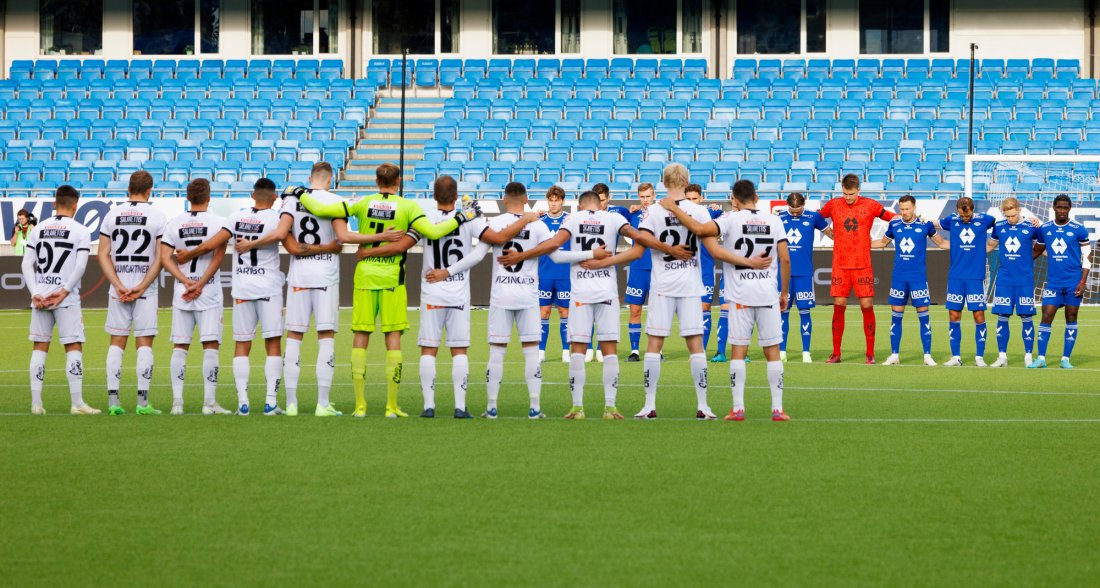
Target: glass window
644	26
692	18
294	27
772	27
570	26
404	24
815	26
210	24
939	16
70	27
449	24
891	27
164	27
523	28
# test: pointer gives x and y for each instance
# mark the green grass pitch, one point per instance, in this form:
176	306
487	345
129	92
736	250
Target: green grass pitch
886	475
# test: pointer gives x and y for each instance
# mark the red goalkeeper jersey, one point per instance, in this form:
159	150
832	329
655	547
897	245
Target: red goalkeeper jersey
852	230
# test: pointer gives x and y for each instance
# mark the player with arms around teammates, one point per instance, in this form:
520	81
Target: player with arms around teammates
197	295
380	293
54	260
129	255
1014	239
800	225
966	276
909	283
1067	246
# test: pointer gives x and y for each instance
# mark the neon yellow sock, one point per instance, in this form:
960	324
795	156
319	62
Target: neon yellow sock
393	377
358	374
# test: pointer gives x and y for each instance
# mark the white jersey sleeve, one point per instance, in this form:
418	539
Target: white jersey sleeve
55	245
516	287
188	231
256	274
313	271
587	231
751	233
133	228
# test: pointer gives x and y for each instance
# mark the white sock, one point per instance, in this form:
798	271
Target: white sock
74	369
576	378
460	375
273	373
532	372
326	368
775	382
427	380
38	376
241	367
178	365
209	376
144	374
292	368
114	373
494	373
698	362
737	383
651	366
610	379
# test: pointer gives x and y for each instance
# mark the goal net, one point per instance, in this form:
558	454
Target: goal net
1035	180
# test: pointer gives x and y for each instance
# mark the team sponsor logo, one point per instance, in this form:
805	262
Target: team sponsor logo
634	292
671	221
192	230
53	233
1002	301
1012	244
895	293
953	297
794	236
975	298
851	224
523	234
865	281
591	228
544	294
131	220
383	211
966	235
919	293
77	369
1058	246
249	226
807	295
756	228
907	245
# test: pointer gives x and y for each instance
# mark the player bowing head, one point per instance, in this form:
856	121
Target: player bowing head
1067	246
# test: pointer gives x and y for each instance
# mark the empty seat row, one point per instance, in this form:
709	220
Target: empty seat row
168	69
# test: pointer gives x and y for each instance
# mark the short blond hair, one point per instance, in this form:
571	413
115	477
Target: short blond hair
645	187
1009	203
675	176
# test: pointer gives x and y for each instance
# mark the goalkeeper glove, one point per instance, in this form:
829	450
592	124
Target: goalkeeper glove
295	191
468	210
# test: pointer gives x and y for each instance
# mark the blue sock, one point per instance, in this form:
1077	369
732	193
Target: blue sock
786	318
722	342
1028	333
895	330
954	334
706	329
1003	333
545	334
807	328
592	341
634	330
979	339
1044	338
564	328
925	331
1070	340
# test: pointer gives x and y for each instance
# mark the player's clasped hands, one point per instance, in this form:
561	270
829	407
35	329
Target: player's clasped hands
437	275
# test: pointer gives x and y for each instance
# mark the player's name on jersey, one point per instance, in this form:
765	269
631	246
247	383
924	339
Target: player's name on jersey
520	280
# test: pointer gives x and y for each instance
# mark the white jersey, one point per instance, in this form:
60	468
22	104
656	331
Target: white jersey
315	271
516	287
53	245
188	231
587	230
133	228
256	274
444	253
751	233
670	276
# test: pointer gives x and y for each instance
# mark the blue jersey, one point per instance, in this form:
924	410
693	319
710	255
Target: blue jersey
1016	266
910	247
645	262
705	259
1063	243
968	242
624	211
800	239
548	270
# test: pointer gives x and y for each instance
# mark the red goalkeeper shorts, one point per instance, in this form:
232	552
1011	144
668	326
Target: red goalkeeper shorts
844	280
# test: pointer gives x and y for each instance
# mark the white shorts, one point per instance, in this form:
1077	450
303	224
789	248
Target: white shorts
321	303
69	321
688	309
141	315
527	323
766	319
266	311
435	319
604	316
209	322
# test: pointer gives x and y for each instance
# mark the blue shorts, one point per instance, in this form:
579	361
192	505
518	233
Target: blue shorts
1014	299
902	291
708	288
1061	296
970	292
551	291
802	292
637	286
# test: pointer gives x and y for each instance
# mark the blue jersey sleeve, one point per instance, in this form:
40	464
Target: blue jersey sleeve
947	222
621	210
930	228
889	231
819	222
715	213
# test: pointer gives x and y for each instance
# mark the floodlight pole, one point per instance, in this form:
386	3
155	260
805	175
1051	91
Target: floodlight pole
970	115
404	83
